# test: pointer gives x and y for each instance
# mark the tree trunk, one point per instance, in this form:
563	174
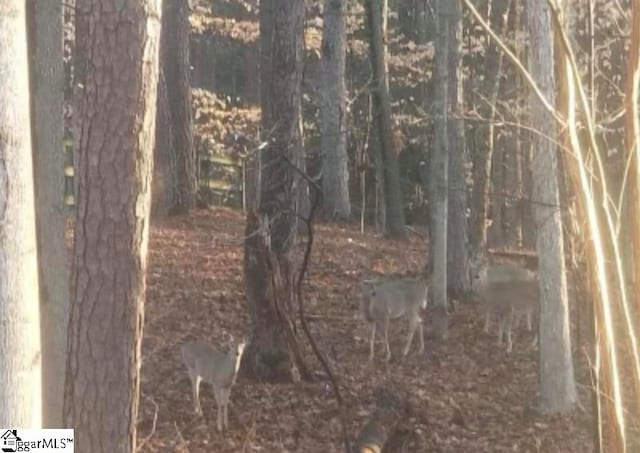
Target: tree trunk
20	356
439	178
632	136
271	231
390	411
164	184
556	376
394	212
112	224
80	52
459	275
335	168
47	80
495	235
483	162
180	190
523	145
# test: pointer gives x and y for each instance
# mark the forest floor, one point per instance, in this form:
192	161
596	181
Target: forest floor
465	394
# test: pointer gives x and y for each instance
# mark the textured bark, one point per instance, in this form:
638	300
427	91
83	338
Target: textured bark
47	80
459	275
556	375
395	222
390	412
271	231
164	184
114	164
439	178
335	169
174	60
20	386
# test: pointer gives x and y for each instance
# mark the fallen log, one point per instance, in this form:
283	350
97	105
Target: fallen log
390	410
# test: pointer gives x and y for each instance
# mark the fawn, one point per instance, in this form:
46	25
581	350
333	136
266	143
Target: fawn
507	292
391	299
216	367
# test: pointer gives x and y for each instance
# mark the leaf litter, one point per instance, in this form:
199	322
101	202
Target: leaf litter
465	394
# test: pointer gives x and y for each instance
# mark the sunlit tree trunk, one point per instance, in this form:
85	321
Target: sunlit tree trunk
20	356
114	164
556	375
47	81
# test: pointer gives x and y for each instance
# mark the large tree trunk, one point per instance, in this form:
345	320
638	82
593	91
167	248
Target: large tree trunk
47	80
439	177
20	383
459	276
335	168
394	201
271	231
556	375
178	196
114	159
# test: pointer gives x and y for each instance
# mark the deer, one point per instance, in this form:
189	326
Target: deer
216	367
385	300
506	292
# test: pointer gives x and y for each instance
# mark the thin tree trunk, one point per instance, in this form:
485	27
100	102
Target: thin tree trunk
495	235
512	195
512	219
271	229
112	224
20	355
439	180
395	216
632	134
335	169
164	184
174	57
556	375
483	164
523	145
47	81
459	276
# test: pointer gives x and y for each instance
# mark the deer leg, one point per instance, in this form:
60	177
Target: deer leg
226	394
511	320
372	341
195	387
487	320
386	338
217	392
509	341
413	324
